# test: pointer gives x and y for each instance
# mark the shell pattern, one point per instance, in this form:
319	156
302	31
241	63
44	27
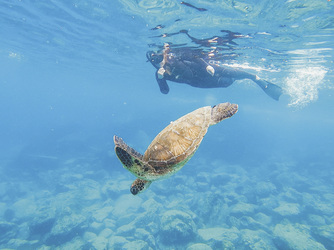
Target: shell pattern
179	140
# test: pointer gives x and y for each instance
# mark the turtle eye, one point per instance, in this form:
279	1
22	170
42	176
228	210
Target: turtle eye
134	190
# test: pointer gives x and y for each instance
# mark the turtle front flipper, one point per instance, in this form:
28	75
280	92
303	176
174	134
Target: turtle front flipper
139	185
131	159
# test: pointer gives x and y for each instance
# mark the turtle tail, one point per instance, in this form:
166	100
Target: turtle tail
222	111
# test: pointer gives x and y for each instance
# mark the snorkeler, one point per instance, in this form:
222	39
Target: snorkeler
186	65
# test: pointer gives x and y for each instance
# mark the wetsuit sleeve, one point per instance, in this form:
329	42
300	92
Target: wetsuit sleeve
162	84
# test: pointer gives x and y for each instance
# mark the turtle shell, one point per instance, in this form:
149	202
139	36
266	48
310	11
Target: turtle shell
179	140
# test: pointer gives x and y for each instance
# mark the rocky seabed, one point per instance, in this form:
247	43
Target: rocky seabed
81	206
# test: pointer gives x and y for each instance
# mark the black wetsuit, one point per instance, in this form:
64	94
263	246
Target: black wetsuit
191	67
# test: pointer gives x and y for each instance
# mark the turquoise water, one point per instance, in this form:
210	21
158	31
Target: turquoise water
75	73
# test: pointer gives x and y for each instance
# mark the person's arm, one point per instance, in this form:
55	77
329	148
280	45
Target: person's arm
162	84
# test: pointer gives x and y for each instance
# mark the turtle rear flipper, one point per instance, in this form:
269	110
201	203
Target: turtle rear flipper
139	185
130	158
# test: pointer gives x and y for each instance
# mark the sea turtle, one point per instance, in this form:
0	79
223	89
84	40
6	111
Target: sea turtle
172	147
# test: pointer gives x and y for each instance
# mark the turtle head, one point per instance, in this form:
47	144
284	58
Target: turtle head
139	185
154	58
